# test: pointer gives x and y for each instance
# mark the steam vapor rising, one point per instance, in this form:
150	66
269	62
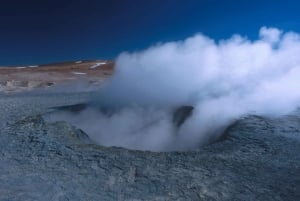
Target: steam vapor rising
223	80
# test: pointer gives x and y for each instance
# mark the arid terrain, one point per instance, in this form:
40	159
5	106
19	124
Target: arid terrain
258	158
24	78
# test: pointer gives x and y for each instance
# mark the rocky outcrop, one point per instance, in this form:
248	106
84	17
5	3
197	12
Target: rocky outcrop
181	114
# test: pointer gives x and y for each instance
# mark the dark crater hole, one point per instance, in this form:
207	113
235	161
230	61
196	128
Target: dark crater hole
134	128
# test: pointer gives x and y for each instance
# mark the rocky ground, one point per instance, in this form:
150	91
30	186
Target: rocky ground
258	160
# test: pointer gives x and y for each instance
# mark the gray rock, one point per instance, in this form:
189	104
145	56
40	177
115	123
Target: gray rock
181	114
258	160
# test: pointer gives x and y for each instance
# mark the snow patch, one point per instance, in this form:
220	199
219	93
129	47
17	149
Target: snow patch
78	73
98	64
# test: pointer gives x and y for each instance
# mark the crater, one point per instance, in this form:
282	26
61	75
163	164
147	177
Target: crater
137	128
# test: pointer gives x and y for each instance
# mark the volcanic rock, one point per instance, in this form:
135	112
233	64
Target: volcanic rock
258	160
181	114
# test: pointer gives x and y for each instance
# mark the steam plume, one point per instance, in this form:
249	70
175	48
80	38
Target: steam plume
223	80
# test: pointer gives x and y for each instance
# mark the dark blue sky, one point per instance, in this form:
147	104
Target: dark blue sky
42	31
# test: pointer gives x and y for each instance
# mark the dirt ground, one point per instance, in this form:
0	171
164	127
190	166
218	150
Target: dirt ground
20	78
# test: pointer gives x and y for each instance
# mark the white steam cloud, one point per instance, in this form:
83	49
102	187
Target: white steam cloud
223	80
